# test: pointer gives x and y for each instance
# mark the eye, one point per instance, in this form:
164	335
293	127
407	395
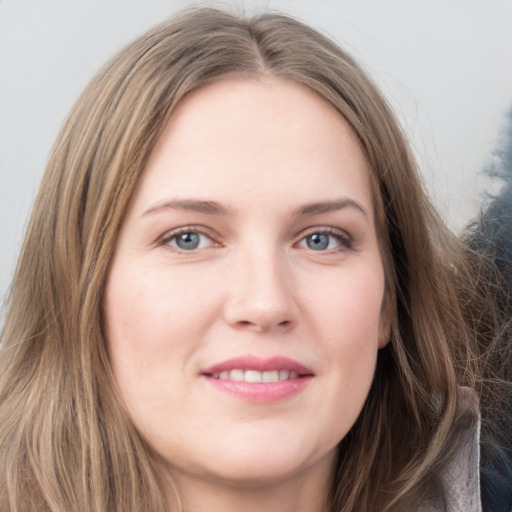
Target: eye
187	240
326	240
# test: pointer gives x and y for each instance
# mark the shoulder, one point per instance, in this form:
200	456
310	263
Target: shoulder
461	477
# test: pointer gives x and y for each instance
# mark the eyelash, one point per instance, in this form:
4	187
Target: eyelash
345	242
192	230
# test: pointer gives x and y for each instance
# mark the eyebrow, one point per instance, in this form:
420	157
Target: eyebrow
215	208
192	205
330	206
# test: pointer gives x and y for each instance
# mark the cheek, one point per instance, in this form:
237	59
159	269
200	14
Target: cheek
151	312
142	337
152	329
349	306
348	318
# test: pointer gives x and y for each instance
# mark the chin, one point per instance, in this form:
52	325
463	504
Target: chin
260	470
254	466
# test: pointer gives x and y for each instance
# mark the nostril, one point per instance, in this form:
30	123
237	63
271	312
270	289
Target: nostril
262	325
255	314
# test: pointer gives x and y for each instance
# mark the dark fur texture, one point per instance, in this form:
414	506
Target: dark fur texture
491	235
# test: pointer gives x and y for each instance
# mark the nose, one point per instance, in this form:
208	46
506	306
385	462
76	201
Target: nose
262	294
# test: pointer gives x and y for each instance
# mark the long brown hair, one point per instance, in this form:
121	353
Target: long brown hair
65	441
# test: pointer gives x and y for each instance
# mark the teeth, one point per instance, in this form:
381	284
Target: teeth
252	376
270	376
236	375
256	376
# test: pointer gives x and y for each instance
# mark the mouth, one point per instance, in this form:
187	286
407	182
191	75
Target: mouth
259	380
241	375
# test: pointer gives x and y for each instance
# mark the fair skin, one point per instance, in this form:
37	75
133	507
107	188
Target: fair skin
248	253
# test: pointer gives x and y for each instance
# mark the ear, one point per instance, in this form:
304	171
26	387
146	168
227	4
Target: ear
384	323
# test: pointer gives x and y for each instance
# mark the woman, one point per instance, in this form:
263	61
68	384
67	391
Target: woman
233	292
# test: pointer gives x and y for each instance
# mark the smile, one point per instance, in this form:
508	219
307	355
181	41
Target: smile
240	375
259	380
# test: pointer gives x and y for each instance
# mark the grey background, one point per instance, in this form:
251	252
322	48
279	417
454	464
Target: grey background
443	64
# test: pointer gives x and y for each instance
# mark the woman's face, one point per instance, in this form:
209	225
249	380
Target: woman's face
243	303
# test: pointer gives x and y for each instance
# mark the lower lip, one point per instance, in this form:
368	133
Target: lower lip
261	392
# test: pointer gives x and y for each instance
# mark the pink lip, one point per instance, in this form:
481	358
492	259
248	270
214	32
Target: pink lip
260	392
261	365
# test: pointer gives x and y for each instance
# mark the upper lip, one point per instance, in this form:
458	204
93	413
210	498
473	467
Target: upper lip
259	364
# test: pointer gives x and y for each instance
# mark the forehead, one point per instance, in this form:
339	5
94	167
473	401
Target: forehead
246	136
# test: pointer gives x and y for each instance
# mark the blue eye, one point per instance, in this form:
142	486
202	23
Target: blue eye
324	241
318	241
188	241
